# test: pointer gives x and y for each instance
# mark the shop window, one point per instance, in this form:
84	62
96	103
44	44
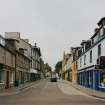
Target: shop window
102	79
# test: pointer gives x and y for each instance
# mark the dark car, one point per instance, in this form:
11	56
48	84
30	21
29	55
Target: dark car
53	79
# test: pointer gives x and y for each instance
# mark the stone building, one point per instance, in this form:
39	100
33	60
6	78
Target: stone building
47	70
74	64
35	63
20	62
21	44
7	65
22	50
22	68
66	66
42	68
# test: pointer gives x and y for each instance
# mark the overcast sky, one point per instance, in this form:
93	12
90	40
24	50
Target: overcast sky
55	25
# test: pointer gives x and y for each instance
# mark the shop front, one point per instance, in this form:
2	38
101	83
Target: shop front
94	79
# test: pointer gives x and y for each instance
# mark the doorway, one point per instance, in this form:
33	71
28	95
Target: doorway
7	79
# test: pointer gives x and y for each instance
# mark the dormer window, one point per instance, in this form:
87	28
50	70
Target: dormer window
2	41
101	32
99	50
101	22
79	52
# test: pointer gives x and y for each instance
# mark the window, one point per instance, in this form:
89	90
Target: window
80	62
99	50
102	79
90	56
1	76
12	60
104	30
84	59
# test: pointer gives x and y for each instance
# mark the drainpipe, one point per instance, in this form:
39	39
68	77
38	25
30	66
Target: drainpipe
16	82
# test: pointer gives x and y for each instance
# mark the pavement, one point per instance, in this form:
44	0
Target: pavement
88	91
17	90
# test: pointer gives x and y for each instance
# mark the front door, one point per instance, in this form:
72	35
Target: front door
7	79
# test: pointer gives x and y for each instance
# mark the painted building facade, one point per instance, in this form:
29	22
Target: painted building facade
69	66
86	63
66	71
91	60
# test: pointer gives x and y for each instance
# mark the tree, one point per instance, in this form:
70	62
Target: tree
58	66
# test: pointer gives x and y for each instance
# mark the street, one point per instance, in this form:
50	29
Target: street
48	93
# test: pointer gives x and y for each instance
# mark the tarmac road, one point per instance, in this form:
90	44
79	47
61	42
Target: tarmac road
48	93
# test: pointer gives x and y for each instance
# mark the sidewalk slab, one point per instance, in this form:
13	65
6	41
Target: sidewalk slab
65	87
16	90
88	91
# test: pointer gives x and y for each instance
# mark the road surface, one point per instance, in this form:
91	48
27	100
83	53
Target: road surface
47	93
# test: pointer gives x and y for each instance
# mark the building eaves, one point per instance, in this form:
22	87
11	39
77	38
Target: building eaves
7	49
95	34
93	46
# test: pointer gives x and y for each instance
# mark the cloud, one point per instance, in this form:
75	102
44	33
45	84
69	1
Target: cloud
55	25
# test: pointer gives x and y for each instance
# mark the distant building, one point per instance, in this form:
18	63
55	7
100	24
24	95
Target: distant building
47	70
69	65
74	63
65	66
35	63
42	68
